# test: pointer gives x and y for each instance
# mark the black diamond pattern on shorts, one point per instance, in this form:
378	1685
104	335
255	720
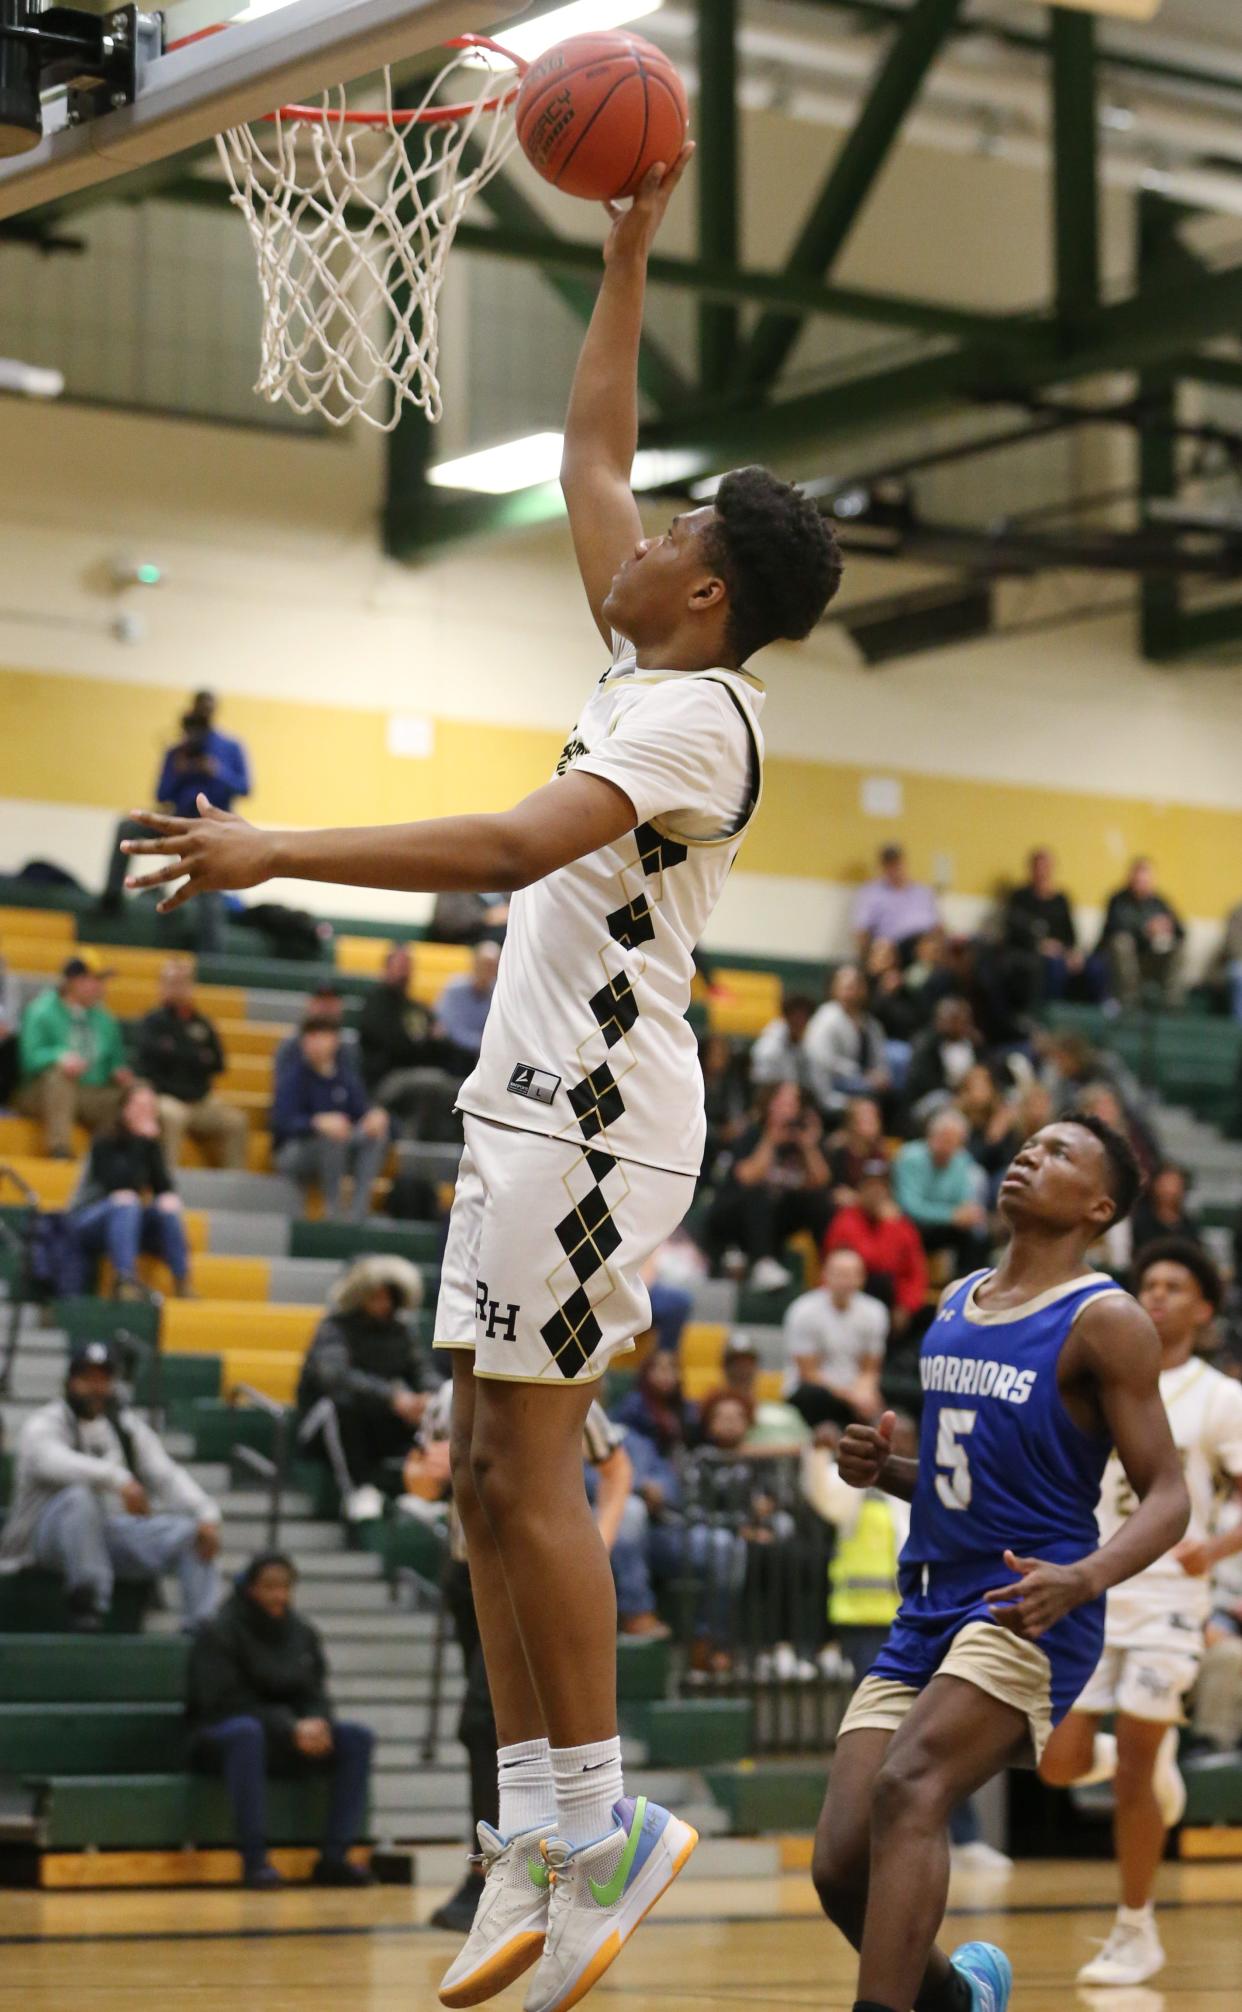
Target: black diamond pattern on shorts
596	1102
656	854
589	1236
599	1164
632	924
573	1334
616	1008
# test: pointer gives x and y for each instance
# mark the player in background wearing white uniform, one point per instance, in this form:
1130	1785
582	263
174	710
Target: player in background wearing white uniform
584	1120
1153	1633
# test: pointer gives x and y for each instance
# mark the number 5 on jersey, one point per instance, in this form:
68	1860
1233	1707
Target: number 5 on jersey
954	1486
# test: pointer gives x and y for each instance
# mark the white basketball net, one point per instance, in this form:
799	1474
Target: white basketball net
352	224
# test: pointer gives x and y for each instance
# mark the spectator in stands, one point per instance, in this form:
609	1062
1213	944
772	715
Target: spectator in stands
860	1139
938	1185
1078	1076
776	1184
323	1124
204	762
779	1053
835	1338
893	906
871	1529
464	1004
901	1010
126	1203
656	1407
326	1002
211	764
1040	954
71	1055
179	1053
1232	958
726	1096
943	1057
402	1056
1142	939
258	1705
366	1379
994	1132
1102	1100
469	918
776	1426
658	1544
888	1244
1161	1210
734	1485
97	1498
844	1045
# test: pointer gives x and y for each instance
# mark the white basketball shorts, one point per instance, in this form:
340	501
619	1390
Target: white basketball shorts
1142	1683
547	1242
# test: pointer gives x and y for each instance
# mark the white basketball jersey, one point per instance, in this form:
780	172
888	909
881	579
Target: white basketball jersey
1163	1607
587	1038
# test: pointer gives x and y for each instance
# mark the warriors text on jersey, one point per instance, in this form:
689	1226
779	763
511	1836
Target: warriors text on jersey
1164	1606
587	1039
1002	1466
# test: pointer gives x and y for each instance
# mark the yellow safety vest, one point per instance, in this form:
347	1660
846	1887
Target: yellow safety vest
863	1572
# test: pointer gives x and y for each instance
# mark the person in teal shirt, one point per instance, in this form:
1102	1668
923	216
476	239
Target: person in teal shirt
939	1186
72	1066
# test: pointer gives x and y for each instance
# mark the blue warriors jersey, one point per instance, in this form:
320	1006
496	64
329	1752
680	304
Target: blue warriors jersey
1002	1467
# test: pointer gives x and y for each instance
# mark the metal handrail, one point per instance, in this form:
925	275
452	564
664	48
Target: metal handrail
17	1299
276	1470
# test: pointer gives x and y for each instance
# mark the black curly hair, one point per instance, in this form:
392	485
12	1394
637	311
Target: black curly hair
1191	1257
1125	1174
778	557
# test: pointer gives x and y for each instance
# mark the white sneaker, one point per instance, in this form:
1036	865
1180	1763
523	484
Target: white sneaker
600	1893
364	1505
769	1276
1131	1955
783	1665
834	1666
1167	1781
511	1919
980	1856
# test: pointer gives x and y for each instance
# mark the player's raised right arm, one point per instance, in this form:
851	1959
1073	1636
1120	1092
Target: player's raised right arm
601	431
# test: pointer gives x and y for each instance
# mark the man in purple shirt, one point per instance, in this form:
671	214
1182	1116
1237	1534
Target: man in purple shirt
893	907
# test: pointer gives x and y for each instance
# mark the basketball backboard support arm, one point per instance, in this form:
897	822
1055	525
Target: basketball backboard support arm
252	67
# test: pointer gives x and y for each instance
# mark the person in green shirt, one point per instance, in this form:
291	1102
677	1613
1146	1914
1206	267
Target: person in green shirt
71	1056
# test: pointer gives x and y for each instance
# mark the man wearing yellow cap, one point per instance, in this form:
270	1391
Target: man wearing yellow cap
71	1055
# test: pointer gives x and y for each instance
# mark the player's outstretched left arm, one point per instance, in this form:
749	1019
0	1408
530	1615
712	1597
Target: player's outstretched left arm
217	852
1119	1355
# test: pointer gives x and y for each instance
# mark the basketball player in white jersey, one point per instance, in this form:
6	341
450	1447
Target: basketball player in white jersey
1153	1632
584	1119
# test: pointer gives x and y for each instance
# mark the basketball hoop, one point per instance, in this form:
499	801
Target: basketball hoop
352	215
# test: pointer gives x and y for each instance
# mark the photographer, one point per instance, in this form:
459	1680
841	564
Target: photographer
777	1183
203	762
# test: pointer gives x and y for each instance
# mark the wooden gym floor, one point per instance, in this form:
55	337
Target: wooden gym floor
734	1945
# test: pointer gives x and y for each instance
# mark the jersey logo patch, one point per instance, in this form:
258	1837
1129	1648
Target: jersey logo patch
538	1086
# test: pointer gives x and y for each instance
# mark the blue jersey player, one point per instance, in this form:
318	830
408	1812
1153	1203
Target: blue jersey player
1031	1373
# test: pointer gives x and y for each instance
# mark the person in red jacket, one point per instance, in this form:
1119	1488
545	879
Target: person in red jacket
887	1242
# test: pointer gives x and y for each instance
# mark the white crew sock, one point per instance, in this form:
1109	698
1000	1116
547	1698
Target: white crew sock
527	1791
1136	1917
1103	1761
588	1783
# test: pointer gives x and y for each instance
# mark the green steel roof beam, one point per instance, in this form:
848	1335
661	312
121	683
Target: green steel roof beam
719	184
1075	163
862	155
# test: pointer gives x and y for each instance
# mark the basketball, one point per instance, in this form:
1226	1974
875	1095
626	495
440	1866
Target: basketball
597	112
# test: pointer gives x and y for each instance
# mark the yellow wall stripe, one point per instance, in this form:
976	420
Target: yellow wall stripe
95	742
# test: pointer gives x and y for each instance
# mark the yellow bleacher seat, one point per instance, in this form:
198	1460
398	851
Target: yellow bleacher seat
23	1138
254	1039
274	1374
52	923
214	1326
700	1381
702	1345
53	1181
742	1002
434	963
231	1278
